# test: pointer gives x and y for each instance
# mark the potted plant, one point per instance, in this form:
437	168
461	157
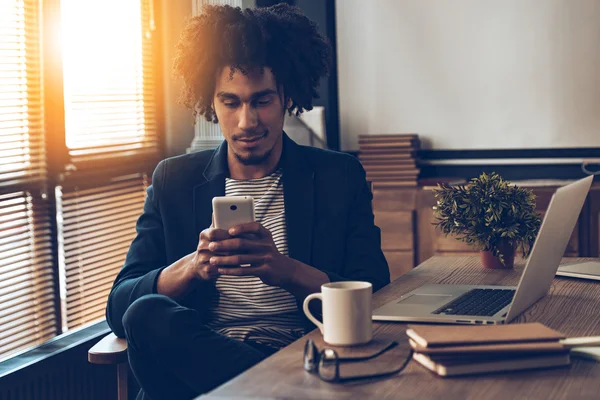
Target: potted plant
491	215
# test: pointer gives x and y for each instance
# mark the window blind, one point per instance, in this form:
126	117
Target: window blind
27	308
108	81
22	156
27	284
96	227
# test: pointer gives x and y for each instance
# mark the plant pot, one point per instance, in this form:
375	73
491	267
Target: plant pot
488	260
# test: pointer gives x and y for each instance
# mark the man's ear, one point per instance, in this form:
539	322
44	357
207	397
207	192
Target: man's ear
214	113
286	101
287	104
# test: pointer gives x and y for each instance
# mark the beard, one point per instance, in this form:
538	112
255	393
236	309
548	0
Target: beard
253	159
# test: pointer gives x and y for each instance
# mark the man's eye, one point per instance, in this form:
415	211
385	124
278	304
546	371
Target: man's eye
263	102
230	104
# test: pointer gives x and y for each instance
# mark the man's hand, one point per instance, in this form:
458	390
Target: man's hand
177	279
200	263
252	244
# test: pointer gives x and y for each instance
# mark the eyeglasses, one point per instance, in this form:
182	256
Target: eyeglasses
326	363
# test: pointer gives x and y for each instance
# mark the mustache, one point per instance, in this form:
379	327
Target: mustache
249	135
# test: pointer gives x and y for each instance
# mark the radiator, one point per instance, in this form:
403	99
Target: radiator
67	378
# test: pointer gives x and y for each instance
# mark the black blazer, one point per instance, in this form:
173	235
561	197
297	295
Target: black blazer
328	213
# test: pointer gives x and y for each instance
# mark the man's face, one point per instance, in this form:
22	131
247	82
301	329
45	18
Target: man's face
250	112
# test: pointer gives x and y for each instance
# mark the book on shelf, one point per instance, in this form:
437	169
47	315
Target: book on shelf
396	172
385	157
382	164
387	147
384	151
384	145
400	174
391	183
387	184
411	180
387	137
392	176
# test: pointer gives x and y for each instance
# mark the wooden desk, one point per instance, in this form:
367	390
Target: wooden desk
571	306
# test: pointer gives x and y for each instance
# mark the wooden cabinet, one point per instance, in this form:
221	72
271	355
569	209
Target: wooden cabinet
405	217
394	210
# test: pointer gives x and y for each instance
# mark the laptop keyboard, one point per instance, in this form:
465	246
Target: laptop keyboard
482	302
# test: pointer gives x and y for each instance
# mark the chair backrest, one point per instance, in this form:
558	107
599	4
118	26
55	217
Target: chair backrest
315	120
308	129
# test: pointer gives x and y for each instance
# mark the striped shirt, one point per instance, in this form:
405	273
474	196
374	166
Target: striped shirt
243	307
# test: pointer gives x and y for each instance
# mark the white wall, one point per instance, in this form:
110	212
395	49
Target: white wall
477	74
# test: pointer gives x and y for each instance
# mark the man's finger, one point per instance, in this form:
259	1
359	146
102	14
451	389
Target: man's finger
213	234
204	269
242	271
202	257
239	245
250	228
210	269
238	259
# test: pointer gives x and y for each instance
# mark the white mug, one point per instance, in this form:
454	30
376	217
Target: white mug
347	312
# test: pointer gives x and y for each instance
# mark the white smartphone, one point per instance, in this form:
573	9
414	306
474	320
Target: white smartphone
229	211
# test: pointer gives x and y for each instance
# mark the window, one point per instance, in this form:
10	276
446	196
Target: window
27	301
22	159
71	187
27	283
96	225
110	126
109	105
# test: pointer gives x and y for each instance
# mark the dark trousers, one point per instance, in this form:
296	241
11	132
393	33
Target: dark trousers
173	355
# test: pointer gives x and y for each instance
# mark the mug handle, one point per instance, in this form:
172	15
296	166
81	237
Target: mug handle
308	313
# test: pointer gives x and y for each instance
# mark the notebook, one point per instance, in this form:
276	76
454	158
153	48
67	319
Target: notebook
467	366
455	335
503	348
586	270
590	353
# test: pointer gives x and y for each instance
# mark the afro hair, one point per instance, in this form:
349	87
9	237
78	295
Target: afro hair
280	37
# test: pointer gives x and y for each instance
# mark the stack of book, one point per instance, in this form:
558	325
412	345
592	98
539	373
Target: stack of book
390	160
465	350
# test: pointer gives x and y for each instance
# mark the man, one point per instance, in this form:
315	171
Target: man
194	318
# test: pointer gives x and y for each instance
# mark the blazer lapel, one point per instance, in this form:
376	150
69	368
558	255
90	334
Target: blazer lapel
214	185
299	197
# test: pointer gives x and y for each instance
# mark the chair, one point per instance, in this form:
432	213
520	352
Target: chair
112	350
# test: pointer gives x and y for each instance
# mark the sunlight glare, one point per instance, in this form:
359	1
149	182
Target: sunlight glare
103	75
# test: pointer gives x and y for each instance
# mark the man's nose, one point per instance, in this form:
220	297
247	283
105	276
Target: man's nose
248	119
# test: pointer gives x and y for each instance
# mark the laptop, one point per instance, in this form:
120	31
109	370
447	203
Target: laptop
585	270
486	304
